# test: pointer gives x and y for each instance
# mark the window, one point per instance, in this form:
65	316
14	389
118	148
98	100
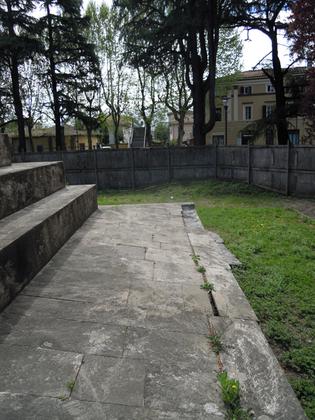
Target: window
247	138
294	136
269	136
82	146
267	110
246	90
218	114
247	112
270	88
40	148
218	139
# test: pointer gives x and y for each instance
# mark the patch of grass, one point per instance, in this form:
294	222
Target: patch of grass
276	246
207	286
216	343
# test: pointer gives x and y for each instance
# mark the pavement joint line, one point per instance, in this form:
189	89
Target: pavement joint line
77	374
57	298
163	328
108	403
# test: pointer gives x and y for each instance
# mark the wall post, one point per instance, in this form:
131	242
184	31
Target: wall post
133	171
169	163
215	160
287	190
249	157
96	169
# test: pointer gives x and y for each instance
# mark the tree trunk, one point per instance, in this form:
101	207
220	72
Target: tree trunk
199	116
89	136
18	104
148	134
14	70
181	129
52	66
30	136
281	121
116	136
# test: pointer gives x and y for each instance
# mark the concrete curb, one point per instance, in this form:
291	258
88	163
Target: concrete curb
246	354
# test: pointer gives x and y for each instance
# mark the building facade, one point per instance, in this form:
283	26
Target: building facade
251	99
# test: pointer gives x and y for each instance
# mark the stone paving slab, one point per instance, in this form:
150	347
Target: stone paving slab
111	380
37	371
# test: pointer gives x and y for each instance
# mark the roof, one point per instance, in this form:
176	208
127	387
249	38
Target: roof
259	74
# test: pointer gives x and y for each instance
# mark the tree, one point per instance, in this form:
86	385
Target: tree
65	44
159	30
6	104
148	100
264	15
115	77
161	132
302	33
177	96
84	105
32	95
17	43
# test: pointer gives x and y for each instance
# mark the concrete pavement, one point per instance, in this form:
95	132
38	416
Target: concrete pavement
114	327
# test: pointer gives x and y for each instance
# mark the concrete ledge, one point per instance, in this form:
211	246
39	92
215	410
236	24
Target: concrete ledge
246	354
30	237
247	357
25	183
5	154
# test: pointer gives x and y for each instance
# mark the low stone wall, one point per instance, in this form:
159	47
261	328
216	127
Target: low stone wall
285	169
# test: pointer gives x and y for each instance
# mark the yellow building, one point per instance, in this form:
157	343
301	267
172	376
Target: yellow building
252	98
44	139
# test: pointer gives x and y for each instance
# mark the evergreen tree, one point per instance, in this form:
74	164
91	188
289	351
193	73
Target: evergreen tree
65	44
17	42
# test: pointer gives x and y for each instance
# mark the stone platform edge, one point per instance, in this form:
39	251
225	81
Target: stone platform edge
23	184
23	258
246	354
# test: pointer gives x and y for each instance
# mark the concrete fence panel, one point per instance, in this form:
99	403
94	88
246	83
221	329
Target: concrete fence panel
285	169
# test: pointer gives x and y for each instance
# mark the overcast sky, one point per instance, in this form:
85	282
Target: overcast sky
253	50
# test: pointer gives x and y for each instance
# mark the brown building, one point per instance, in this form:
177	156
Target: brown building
252	98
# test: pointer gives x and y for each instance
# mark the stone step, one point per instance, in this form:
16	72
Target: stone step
22	184
30	237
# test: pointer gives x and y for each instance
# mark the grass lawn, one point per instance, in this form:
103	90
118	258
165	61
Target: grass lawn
277	248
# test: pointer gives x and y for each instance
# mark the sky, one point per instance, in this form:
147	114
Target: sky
253	50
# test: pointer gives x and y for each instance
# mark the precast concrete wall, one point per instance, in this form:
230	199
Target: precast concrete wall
285	169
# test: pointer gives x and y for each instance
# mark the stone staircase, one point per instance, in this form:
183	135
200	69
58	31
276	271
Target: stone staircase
38	214
138	137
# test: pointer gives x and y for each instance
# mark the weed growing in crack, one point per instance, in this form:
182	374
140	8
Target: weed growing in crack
201	269
230	389
216	343
196	258
207	286
70	385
